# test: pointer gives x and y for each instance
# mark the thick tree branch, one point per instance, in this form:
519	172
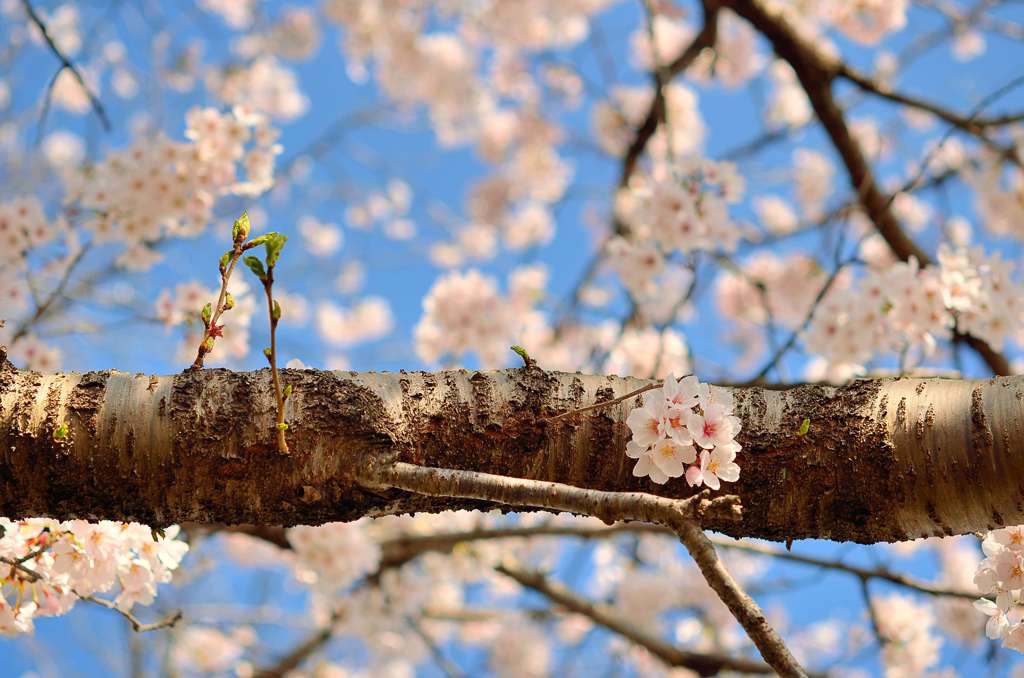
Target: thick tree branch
885	460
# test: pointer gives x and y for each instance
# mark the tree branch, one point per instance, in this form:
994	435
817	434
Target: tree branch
398	550
885	459
137	626
66	63
681	516
971	124
704	664
816	76
862	573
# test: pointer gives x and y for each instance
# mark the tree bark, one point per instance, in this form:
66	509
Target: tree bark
884	460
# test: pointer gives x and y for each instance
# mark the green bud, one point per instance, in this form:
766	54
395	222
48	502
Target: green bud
207	313
282	426
256	266
276	312
805	426
240	229
267	353
274	244
288	391
61	432
208	344
224	260
521	352
229	301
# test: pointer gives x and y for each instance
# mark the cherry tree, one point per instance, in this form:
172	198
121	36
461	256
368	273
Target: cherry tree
512	337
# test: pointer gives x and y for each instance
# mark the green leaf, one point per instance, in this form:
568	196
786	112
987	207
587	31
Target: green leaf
805	426
256	242
274	244
288	391
207	313
256	266
61	432
276	313
240	229
521	352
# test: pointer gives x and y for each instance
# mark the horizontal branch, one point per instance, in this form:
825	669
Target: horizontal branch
862	573
400	549
884	460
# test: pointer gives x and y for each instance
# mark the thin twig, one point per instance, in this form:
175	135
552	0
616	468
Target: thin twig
137	626
859	572
66	63
603	404
32	575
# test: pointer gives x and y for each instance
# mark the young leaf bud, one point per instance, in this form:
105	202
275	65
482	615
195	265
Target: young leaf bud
256	266
240	229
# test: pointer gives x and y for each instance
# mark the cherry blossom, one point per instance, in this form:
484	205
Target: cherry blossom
61	561
670	425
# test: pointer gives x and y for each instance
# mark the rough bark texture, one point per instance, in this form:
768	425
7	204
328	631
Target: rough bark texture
883	460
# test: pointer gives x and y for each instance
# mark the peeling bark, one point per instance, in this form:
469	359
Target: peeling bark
884	460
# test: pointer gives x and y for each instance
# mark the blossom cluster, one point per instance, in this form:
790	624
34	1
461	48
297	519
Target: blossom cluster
768	289
334	555
465	312
999	192
472	70
206	650
24	226
677	420
158	187
905	307
48	565
1000	577
910	646
388	207
678	209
